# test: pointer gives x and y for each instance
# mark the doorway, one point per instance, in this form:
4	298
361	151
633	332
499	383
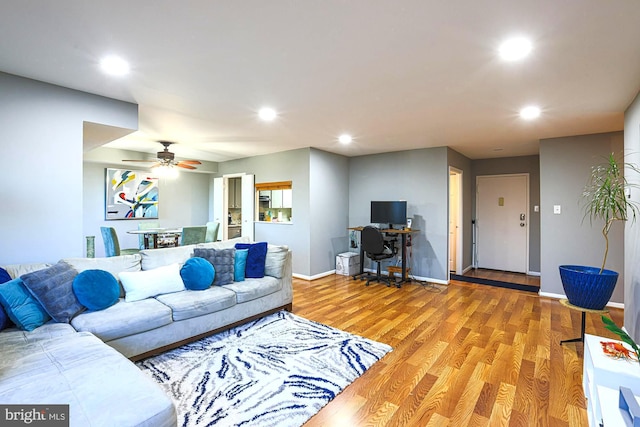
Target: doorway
455	221
502	223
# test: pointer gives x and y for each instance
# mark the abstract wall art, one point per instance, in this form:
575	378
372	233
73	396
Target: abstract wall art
131	194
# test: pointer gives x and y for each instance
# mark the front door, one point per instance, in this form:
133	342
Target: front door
502	222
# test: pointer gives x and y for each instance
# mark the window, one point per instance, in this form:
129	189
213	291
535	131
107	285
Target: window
274	201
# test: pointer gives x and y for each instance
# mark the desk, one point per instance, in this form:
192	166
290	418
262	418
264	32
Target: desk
584	311
154	232
403	234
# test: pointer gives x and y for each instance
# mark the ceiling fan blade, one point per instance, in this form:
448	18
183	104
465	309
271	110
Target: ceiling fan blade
190	162
140	161
184	166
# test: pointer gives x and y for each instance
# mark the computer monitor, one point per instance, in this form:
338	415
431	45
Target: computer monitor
389	212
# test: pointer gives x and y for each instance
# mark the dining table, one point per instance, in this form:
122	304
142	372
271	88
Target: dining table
152	235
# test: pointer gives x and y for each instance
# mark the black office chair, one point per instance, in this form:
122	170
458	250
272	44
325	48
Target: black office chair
374	248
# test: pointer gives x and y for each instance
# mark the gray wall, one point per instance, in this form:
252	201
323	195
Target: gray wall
421	178
512	165
565	165
286	166
320	205
183	201
329	212
632	231
463	163
41	132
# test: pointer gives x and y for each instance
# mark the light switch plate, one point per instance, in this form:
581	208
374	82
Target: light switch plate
557	209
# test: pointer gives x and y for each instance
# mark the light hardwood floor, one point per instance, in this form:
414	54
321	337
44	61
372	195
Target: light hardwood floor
464	354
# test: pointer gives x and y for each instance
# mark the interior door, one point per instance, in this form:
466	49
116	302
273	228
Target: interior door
502	222
219	206
248	205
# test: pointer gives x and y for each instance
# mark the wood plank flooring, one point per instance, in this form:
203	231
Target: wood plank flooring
464	354
504	276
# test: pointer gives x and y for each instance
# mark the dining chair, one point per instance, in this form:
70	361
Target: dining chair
212	232
193	235
146	225
111	244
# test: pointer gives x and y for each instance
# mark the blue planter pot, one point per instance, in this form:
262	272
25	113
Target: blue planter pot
585	287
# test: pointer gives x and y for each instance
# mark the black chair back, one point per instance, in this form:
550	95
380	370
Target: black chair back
372	241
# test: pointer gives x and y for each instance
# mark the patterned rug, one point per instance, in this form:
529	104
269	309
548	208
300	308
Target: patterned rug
276	371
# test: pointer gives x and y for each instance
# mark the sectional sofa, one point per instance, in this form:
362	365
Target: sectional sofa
87	362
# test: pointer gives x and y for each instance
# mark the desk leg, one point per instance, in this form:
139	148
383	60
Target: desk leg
155	241
145	242
361	271
581	338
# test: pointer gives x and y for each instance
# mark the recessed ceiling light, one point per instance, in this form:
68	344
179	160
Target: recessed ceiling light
267	114
114	65
345	138
515	48
529	113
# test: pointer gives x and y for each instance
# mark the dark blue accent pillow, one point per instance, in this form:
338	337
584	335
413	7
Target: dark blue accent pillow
255	258
197	274
96	289
53	288
4	275
240	265
4	319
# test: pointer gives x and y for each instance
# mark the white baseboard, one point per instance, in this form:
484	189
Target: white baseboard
562	296
315	276
533	273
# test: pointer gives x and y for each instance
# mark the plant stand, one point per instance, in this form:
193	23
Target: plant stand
584	311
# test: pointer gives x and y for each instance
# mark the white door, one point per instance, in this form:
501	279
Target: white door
455	221
502	222
219	207
248	205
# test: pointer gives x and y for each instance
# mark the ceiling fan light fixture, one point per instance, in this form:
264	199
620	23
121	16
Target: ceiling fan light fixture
165	170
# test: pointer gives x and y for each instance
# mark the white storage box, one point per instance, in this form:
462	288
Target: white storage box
348	264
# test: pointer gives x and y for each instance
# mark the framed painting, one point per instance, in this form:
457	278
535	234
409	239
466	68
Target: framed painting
131	194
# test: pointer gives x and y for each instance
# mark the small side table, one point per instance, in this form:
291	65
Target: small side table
584	311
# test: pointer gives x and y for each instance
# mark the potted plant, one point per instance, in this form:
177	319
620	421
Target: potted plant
605	197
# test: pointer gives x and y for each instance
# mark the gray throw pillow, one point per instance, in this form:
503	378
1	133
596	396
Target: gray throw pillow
222	260
53	288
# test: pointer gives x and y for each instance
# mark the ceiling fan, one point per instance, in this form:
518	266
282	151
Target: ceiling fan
166	158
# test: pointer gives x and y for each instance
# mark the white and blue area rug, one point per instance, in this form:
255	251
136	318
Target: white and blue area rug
276	371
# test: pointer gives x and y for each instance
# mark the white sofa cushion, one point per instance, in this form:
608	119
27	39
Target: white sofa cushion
17	270
139	285
123	319
188	304
114	265
252	289
154	258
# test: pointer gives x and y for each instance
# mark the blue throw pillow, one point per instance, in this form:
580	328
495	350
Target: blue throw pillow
240	265
4	275
23	309
4	319
53	288
197	274
96	289
255	259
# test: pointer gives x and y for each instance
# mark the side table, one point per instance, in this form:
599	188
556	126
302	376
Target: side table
584	311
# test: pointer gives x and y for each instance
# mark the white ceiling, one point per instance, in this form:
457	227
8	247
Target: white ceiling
397	75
